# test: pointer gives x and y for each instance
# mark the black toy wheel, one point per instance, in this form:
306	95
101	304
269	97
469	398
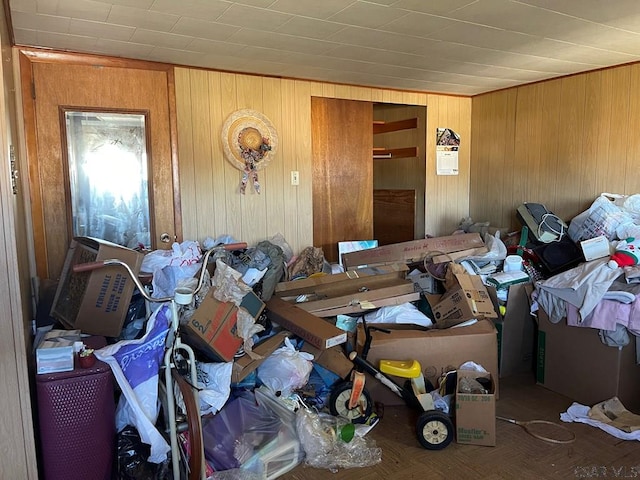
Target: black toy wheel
339	403
434	430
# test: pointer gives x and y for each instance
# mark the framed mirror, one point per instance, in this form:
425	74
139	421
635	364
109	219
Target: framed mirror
106	154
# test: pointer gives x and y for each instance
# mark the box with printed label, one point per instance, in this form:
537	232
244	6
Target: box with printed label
475	409
466	300
213	327
97	301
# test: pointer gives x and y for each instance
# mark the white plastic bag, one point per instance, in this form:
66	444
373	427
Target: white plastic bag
286	369
136	366
605	215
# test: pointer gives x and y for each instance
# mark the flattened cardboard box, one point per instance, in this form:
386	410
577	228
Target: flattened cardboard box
213	326
438	351
326	284
573	362
95	302
475	413
315	330
411	251
244	365
516	332
468	300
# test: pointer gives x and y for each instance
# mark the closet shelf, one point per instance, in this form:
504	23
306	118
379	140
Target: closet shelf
386	127
382	153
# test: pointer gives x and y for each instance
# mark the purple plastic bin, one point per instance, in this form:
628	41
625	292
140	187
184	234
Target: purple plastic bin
77	423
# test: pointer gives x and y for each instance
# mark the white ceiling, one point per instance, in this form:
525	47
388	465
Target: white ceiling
449	46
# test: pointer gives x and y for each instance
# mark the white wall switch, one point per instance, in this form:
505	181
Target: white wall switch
295	177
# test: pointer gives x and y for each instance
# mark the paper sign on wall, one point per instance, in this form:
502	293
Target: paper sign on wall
447	145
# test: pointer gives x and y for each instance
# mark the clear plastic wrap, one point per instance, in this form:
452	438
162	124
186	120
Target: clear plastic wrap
327	442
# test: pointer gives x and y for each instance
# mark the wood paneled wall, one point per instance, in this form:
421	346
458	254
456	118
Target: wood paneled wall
560	142
211	202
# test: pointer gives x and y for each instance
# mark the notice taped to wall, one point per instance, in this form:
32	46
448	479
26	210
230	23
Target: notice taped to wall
447	145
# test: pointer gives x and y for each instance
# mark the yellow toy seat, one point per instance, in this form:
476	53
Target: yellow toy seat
401	368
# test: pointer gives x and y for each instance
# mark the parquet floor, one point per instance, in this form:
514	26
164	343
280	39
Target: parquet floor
518	455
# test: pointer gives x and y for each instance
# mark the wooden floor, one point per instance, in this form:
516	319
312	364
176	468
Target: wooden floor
518	455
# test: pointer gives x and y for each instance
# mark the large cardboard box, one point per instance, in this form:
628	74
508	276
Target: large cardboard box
466	300
335	283
517	330
212	328
574	362
95	302
438	351
475	417
412	251
317	331
357	295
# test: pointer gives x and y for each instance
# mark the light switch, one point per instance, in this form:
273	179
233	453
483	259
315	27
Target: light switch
295	177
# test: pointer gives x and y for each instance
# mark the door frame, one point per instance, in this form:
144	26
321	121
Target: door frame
29	56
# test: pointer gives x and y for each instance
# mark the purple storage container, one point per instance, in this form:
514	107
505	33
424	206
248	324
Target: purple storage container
77	423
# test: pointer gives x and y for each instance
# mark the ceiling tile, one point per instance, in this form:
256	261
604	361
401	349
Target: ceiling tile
47	23
367	15
211	46
84	9
202	9
314	9
434	7
623	14
160	39
62	41
255	18
247	36
421	25
138	17
367	37
25	37
100	30
23	5
202	29
123	49
310	28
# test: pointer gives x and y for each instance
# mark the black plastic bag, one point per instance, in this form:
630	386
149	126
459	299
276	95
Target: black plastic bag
132	458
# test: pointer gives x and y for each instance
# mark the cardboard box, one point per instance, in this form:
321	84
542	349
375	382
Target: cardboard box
56	352
349	298
468	300
315	330
475	417
333	359
574	362
244	365
213	327
95	302
330	284
516	332
412	251
438	351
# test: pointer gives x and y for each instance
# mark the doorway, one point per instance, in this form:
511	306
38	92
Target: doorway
369	172
58	83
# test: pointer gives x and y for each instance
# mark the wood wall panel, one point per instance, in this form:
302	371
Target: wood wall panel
447	195
283	208
571	139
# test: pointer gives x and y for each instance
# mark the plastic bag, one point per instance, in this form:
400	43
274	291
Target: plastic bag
398	314
605	215
214	381
132	458
326	447
286	369
136	367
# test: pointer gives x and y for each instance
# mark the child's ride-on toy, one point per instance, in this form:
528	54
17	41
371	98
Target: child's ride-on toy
349	399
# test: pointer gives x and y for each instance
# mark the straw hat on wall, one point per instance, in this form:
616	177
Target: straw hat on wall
249	142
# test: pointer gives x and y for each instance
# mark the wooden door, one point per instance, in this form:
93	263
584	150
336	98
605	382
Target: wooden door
342	143
57	86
